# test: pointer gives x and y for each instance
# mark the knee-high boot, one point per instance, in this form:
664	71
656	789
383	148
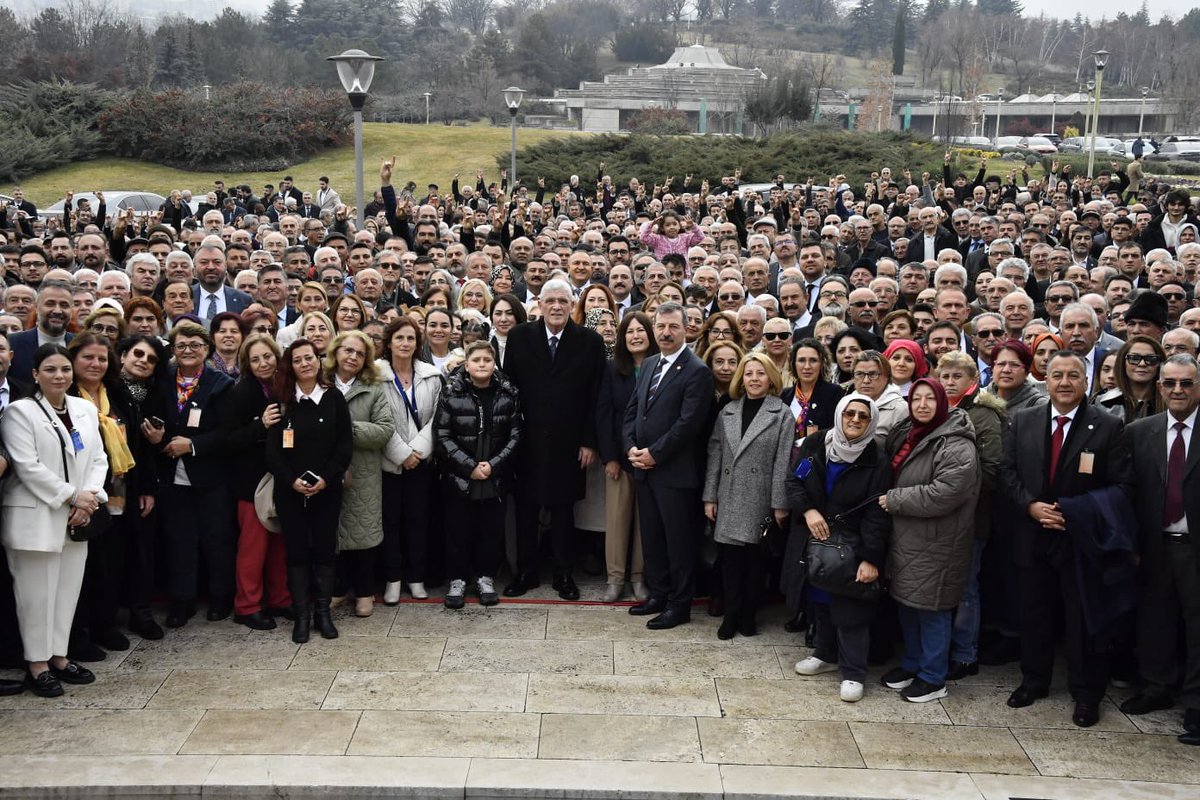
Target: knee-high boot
322	617
298	583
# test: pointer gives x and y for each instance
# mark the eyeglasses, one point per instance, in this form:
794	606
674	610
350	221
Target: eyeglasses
1149	359
261	329
867	376
775	336
863	303
862	416
1059	298
1171	383
346	351
106	329
994	333
730	297
187	347
1173	296
333	281
721	333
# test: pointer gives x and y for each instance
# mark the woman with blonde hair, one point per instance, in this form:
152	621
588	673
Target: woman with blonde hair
474	294
748	454
350	367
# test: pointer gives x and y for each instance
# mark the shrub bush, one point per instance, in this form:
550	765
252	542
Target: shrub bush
243	127
44	125
813	151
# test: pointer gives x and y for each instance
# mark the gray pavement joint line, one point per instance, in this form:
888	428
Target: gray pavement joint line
1021	745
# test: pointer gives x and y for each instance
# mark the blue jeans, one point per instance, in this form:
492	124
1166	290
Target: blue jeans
964	640
926	643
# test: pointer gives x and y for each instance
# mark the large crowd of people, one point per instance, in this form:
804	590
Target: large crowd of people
950	417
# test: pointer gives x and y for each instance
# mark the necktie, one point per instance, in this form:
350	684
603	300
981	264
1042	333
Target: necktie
657	379
553	347
813	288
212	307
986	377
1056	443
1176	464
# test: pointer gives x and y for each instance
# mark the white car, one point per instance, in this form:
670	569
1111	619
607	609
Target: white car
1039	144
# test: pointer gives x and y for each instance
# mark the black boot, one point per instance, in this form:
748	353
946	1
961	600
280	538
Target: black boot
298	581
322	617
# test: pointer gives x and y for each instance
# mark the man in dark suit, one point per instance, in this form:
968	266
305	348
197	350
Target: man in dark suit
10	640
1166	450
210	295
931	239
53	315
557	367
664	439
1064	449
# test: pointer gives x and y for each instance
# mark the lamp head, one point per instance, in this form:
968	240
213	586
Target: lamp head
513	97
356	70
1101	57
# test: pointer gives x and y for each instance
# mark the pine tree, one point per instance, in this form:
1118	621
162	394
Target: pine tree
166	73
900	38
278	21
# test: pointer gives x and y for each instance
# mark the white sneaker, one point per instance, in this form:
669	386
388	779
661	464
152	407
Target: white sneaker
487	591
417	590
455	594
391	593
852	691
814	666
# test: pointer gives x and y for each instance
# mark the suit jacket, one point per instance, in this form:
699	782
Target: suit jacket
37	494
1024	472
1148	442
23	346
309	212
558	400
208	468
672	425
327	200
235	301
942	239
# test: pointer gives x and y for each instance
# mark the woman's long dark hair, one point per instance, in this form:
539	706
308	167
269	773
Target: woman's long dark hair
285	382
622	358
155	344
87	339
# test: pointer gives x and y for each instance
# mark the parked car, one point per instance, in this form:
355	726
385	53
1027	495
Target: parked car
980	142
1054	138
1039	144
1177	148
1081	144
140	202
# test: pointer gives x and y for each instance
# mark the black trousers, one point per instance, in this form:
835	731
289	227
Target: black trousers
670	541
360	570
103	577
743	573
12	652
847	645
407	532
562	528
309	528
474	536
1043	586
1168	596
199	521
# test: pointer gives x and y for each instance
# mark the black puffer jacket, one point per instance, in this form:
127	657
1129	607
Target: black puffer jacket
464	435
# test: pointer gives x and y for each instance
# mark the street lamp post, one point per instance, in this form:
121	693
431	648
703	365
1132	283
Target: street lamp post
427	96
1101	57
1142	112
512	98
999	105
933	130
356	70
1053	109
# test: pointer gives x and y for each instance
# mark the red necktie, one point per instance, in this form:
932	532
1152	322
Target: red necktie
1176	464
1056	443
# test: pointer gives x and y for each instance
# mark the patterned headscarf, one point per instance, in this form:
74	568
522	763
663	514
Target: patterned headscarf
592	320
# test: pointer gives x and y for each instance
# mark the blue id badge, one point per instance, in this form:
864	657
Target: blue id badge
77	441
804	468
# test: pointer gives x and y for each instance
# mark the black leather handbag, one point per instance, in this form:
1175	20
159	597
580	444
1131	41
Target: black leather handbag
833	565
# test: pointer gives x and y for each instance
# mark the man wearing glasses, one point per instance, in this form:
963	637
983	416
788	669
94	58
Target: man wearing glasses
1059	295
989	332
863	304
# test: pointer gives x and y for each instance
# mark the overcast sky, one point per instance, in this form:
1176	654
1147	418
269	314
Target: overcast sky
1095	9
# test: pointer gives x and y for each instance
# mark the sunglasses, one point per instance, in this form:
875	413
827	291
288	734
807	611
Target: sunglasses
730	297
1171	383
1150	360
1060	298
990	334
862	416
775	336
1173	296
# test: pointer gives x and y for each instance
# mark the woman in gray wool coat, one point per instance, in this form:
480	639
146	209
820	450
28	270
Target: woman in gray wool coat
748	456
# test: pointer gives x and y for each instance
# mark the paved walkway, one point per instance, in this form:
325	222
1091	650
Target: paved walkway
553	700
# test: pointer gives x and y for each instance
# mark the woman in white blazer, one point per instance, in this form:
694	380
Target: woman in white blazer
39	505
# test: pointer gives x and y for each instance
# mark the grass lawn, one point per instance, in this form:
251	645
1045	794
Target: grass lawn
425	154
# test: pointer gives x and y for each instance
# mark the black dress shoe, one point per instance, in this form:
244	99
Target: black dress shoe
728	629
669	619
1145	703
284	613
1025	695
748	626
797	624
44	685
218	610
521	584
112	640
565	586
651	606
1191	720
1086	714
179	614
8	687
257	621
961	669
142	623
1192	739
73	673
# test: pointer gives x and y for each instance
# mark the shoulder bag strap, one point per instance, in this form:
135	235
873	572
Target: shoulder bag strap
62	442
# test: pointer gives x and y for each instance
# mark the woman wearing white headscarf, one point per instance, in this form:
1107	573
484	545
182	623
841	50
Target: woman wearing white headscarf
834	486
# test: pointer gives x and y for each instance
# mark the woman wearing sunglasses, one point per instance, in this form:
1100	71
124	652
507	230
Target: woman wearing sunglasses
1135	396
777	344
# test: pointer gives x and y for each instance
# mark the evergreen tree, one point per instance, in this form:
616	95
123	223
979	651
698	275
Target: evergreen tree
899	38
166	73
278	21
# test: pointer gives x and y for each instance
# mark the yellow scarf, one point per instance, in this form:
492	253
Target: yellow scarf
119	457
